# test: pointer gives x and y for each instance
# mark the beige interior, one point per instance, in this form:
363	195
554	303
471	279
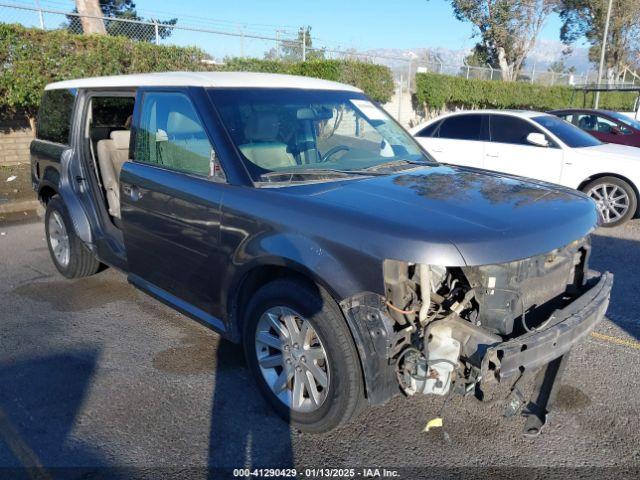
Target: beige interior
112	154
262	147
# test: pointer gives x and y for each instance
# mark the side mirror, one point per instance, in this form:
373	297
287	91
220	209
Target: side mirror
537	139
616	130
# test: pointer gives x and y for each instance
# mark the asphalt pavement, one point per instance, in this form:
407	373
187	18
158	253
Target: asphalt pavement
95	375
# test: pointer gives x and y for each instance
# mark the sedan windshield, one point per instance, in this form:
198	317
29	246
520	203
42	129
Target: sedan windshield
625	119
571	135
289	135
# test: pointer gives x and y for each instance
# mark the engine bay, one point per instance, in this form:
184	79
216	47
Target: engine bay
445	319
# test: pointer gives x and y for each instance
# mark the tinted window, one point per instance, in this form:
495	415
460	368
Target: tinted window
54	117
171	134
571	135
625	119
507	129
461	127
597	123
428	131
566	116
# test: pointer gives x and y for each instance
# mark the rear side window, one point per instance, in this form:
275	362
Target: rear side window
171	134
429	131
54	117
461	127
507	129
112	111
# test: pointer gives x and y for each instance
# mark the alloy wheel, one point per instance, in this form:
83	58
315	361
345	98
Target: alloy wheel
292	359
59	239
612	201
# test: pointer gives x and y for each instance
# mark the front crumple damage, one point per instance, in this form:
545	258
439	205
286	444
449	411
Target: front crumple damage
443	330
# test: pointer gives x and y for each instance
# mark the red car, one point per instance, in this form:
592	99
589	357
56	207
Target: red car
605	125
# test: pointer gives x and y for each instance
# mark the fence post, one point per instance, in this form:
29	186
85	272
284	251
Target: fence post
553	77
533	72
40	15
400	99
467	72
304	44
155	27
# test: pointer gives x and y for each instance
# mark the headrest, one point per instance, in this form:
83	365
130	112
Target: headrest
262	127
178	123
121	139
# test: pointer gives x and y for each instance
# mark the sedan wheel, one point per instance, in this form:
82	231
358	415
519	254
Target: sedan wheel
292	359
615	199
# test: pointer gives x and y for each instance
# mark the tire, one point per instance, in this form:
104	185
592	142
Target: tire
343	397
611	214
79	262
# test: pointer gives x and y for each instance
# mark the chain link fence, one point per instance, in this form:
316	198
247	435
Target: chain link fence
221	43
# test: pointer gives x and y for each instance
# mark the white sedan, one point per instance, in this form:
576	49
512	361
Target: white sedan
539	146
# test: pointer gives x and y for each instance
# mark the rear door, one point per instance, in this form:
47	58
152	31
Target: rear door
170	203
458	139
509	152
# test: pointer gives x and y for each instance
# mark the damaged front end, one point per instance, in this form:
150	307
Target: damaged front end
444	330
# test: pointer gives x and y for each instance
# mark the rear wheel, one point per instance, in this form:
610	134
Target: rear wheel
69	255
616	200
300	351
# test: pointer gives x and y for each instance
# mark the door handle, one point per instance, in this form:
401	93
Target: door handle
132	191
492	154
437	149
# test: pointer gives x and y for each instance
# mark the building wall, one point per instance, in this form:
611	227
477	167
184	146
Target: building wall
15	137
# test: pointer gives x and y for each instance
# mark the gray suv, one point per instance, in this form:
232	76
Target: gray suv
295	216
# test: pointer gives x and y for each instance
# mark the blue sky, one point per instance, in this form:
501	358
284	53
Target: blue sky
355	24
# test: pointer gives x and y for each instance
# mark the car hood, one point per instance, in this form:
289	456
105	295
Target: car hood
611	150
487	217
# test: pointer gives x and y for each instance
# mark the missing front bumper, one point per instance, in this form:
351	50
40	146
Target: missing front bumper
536	349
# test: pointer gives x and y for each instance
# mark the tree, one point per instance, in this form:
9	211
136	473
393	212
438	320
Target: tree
89	9
123	10
292	49
507	30
586	18
558	66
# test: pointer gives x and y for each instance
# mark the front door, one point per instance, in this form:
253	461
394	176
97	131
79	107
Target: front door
510	152
170	203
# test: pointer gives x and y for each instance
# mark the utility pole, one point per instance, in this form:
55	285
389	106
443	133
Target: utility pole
278	44
304	44
90	17
602	52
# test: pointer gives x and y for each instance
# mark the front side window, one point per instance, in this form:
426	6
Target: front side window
461	127
571	135
596	123
54	116
171	135
305	133
626	120
513	130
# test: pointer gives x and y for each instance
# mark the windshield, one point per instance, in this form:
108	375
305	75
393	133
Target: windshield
311	135
625	119
571	135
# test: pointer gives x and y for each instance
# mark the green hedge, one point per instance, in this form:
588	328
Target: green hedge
375	80
435	91
31	58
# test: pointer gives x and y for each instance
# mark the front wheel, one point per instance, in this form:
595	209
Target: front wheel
616	200
300	351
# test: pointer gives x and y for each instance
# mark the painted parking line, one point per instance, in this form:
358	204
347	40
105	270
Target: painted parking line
616	340
25	455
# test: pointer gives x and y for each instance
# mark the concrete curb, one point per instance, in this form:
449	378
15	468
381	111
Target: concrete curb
23	206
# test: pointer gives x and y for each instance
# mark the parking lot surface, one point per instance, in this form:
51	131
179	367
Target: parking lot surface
94	373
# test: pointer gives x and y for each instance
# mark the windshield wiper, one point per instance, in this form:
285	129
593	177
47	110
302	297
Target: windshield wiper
316	172
396	163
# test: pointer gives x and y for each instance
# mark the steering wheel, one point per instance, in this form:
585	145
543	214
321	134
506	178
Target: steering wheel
332	151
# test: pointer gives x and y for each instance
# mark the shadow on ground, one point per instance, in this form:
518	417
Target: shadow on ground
622	258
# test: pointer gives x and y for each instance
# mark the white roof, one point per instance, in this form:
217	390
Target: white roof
204	79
